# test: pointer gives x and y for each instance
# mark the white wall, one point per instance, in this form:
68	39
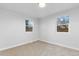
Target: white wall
12	29
48	29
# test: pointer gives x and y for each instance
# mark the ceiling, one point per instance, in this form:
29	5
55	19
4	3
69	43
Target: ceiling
33	10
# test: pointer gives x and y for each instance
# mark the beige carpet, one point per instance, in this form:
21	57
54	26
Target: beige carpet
39	48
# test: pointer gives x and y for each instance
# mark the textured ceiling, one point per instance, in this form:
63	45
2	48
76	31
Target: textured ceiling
33	10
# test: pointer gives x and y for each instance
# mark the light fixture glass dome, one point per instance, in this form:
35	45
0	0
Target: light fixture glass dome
42	5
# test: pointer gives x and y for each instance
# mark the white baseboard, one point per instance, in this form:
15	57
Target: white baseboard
61	45
2	49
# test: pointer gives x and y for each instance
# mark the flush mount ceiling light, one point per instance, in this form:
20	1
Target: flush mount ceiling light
42	5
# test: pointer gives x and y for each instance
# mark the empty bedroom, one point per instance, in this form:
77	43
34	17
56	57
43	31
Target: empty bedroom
39	29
